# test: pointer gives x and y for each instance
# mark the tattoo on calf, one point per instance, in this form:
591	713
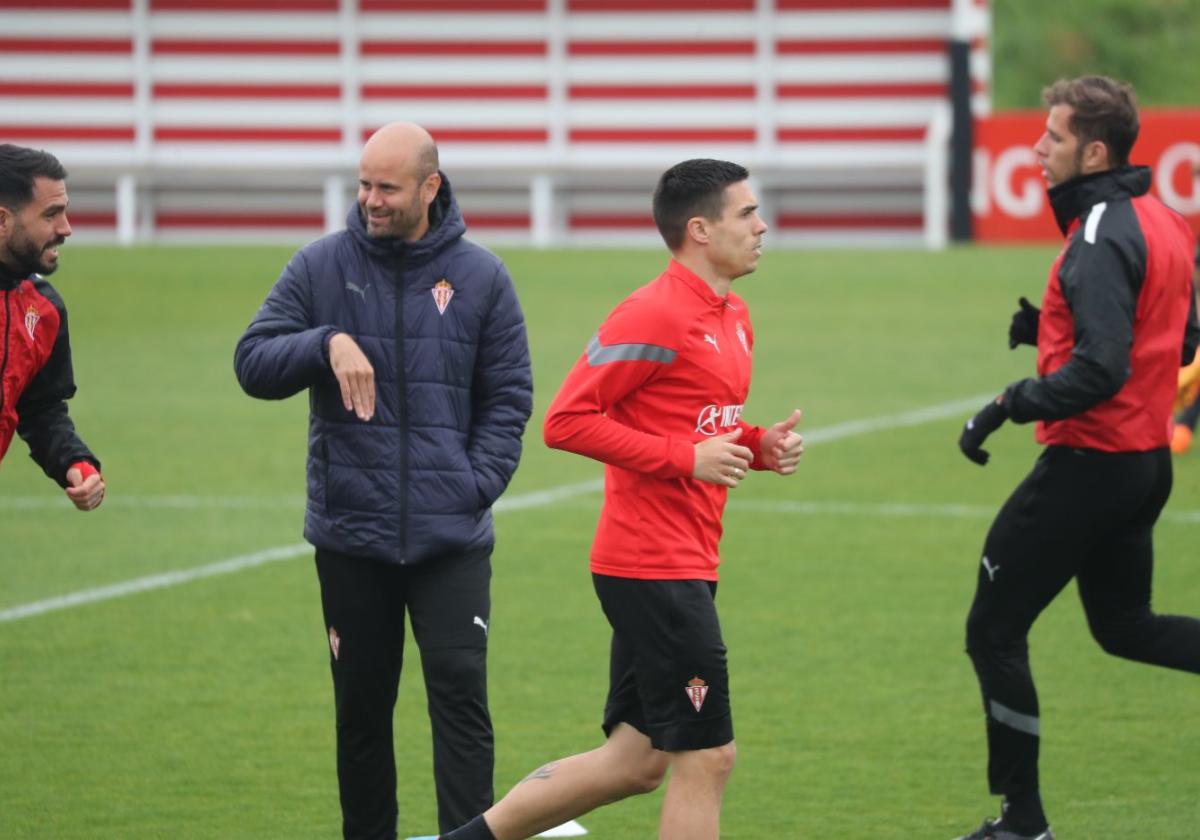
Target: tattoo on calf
543	772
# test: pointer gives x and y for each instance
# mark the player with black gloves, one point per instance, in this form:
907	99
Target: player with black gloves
1117	318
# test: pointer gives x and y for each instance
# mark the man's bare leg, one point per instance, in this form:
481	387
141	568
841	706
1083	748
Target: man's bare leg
692	806
562	790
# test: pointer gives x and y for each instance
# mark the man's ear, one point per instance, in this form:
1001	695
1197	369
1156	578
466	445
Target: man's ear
697	229
6	217
1095	157
430	187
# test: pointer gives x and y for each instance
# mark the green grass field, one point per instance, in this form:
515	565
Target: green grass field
204	710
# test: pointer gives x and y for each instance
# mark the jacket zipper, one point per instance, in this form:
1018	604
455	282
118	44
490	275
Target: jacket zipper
402	414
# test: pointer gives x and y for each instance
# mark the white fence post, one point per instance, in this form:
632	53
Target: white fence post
936	198
352	124
335	203
542	221
126	209
545	226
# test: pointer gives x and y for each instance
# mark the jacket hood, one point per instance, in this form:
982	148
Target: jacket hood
1071	198
446	225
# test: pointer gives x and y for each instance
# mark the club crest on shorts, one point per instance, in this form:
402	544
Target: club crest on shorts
335	642
31	319
442	292
697	690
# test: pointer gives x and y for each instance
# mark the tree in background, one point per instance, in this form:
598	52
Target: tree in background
1155	44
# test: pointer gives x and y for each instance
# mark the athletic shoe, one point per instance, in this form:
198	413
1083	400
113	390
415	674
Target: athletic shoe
995	830
1181	439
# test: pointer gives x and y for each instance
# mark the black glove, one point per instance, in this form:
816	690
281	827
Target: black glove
1024	326
990	418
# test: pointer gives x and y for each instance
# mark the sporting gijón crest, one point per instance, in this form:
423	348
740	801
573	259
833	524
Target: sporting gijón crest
442	292
31	319
697	690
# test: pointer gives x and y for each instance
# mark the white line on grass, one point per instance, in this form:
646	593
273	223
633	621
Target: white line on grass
903	509
867	425
538	498
246	561
174	502
144	584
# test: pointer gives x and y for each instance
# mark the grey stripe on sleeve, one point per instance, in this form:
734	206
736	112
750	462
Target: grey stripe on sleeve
598	354
1022	723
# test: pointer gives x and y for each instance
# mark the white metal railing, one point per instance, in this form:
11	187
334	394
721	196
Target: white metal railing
547	169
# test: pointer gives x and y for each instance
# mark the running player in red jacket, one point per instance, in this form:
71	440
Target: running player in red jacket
1117	320
35	352
657	396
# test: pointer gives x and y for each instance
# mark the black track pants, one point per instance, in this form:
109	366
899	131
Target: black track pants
1084	514
364	603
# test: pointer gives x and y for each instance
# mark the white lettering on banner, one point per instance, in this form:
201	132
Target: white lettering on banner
981	196
1179	154
713	418
1028	203
996	186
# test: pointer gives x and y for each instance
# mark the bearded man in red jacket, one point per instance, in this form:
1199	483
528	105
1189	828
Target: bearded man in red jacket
36	379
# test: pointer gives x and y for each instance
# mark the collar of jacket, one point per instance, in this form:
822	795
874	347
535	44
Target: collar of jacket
446	225
8	280
1071	199
695	282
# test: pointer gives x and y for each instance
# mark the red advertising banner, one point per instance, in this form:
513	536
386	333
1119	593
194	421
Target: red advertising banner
1008	193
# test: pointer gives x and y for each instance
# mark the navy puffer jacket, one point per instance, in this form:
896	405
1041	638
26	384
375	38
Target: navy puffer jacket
418	480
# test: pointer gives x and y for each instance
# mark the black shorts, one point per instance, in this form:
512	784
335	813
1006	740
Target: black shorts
668	677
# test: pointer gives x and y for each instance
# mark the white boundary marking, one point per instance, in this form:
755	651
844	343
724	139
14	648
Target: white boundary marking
175	502
853	428
161	581
537	498
904	509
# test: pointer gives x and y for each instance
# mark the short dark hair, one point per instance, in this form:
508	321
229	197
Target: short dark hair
427	161
19	167
1102	109
689	189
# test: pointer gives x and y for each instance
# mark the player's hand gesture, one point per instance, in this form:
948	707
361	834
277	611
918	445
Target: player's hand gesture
354	374
85	493
1024	326
990	418
721	460
781	447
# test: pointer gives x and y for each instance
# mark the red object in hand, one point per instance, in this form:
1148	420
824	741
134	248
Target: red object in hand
86	469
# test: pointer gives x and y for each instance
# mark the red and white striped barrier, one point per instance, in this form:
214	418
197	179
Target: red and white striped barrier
595	95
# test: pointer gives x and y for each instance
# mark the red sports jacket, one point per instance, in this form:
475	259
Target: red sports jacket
668	368
1117	318
36	378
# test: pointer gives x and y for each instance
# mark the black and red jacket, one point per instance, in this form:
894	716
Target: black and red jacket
36	378
1118	318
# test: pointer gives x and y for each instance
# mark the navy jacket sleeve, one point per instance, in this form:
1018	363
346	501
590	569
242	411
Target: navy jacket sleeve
283	352
1101	282
44	423
502	392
